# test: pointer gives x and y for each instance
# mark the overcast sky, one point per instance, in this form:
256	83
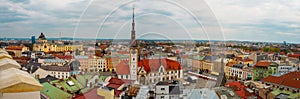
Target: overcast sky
254	20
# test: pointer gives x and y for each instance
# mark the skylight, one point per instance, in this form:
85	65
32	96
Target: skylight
70	83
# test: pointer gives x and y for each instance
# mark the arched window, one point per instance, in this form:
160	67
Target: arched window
143	80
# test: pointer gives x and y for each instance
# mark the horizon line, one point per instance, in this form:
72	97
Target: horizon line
28	38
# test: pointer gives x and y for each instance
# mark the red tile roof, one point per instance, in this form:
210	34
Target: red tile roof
104	46
122	68
247	51
14	47
247	60
21	60
282	53
92	94
63	56
126	81
294	55
118	92
270	52
116	81
230	64
115	86
152	65
291	79
240	89
122	52
262	64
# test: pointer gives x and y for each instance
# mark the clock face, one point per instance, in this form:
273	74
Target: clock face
133	52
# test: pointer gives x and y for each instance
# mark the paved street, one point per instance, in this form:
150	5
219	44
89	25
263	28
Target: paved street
201	83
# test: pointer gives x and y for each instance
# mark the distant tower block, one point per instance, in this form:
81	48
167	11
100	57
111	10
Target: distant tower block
32	39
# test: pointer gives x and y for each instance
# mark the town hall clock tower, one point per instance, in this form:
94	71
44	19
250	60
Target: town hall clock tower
133	57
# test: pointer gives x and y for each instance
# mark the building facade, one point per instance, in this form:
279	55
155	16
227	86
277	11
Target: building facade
17	50
60	72
92	64
264	69
154	70
167	90
241	72
43	45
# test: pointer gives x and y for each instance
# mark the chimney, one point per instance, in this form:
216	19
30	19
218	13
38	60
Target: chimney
37	76
86	82
68	91
74	76
62	88
96	80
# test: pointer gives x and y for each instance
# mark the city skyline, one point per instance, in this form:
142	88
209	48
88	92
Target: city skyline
242	20
142	49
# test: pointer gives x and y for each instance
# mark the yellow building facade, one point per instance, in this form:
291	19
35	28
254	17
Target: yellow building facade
43	45
106	93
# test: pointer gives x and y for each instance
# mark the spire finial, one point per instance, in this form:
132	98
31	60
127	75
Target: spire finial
133	14
133	42
133	18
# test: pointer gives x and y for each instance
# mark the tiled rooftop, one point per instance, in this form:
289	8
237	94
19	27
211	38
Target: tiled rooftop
262	64
152	65
240	89
291	79
54	93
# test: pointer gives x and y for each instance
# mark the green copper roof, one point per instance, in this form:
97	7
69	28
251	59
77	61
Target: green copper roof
73	88
291	94
81	78
54	93
102	78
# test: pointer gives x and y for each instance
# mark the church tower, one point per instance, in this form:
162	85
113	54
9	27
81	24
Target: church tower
133	57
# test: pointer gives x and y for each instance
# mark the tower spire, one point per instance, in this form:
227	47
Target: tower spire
133	42
132	18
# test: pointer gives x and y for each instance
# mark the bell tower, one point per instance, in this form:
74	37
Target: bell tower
133	57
